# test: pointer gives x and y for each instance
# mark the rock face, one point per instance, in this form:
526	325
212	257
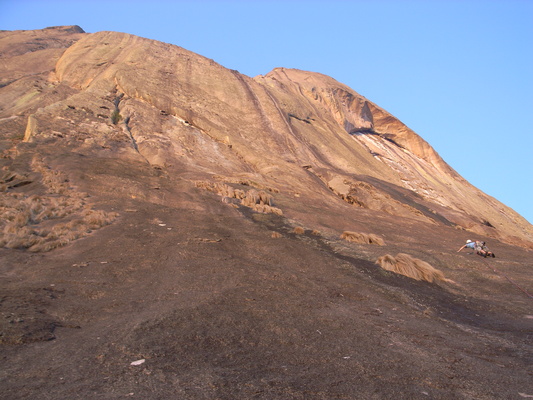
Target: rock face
168	106
155	173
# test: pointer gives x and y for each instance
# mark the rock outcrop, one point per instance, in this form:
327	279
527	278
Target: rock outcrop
185	231
170	107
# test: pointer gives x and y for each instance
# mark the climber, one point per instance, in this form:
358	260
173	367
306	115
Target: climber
479	247
484	251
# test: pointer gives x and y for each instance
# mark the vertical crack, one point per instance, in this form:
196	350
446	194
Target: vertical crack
116	117
127	129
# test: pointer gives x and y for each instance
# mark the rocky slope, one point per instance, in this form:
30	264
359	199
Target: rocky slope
158	206
170	103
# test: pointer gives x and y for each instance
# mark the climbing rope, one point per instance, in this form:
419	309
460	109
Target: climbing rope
509	279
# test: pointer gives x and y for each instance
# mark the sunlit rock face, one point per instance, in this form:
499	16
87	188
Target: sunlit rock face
131	98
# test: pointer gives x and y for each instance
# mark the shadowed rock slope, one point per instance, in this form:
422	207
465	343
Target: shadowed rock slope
223	230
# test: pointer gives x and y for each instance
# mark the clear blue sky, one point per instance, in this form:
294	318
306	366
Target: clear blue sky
458	72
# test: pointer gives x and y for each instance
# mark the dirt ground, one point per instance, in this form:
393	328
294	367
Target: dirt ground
186	297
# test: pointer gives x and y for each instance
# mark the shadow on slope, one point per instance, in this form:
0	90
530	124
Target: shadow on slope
431	298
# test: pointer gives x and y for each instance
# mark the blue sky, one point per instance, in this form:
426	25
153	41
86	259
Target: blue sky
457	72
